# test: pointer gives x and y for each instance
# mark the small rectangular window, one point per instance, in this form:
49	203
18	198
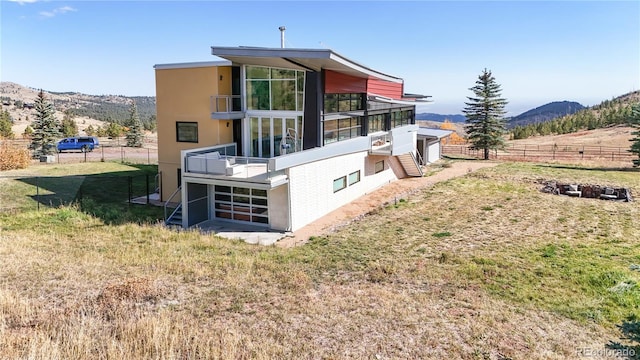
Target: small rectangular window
186	131
339	184
379	166
354	177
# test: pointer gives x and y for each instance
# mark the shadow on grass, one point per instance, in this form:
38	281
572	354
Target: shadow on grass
630	330
105	196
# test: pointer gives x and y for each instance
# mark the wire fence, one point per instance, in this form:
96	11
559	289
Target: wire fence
91	193
534	152
109	150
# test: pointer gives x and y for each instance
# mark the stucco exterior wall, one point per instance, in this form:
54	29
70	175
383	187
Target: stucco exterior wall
183	94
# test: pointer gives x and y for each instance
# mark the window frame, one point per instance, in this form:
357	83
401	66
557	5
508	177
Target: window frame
351	182
343	186
375	167
178	132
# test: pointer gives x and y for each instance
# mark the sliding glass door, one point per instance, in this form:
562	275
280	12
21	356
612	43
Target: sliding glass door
275	135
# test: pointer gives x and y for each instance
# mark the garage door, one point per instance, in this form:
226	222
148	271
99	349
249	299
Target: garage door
241	204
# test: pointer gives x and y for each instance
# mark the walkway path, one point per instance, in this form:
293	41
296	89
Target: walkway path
378	198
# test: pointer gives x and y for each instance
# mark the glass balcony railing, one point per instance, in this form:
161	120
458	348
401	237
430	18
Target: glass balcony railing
226	103
222	161
381	144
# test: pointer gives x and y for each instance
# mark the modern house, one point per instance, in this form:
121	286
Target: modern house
278	137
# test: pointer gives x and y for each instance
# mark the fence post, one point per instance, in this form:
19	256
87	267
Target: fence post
148	159
102	159
85	156
147	177
121	154
37	194
130	189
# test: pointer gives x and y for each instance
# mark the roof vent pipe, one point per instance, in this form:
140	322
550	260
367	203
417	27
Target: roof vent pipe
282	29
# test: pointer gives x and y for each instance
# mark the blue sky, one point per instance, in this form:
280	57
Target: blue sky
538	51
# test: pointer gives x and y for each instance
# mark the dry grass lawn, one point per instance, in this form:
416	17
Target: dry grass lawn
481	267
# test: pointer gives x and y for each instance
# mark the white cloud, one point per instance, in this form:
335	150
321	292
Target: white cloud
22	2
58	11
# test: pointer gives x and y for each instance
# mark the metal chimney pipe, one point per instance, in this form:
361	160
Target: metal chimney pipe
282	29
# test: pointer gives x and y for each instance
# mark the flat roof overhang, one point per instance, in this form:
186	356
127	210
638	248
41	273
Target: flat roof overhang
433	133
299	59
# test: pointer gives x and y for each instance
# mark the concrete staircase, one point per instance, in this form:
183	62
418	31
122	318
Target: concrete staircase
410	164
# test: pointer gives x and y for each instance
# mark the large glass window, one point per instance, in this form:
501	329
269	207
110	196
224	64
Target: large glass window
376	123
401	117
255	136
343	102
274	89
186	131
275	136
341	129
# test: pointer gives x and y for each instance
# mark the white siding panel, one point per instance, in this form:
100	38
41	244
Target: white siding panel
278	208
311	185
433	152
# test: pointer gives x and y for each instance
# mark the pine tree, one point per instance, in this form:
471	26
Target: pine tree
69	126
46	128
5	125
485	115
28	132
634	120
134	134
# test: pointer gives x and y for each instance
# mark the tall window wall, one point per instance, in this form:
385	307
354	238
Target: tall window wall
274	89
341	129
346	127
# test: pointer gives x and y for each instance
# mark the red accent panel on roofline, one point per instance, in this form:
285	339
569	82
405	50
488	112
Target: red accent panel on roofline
385	88
338	83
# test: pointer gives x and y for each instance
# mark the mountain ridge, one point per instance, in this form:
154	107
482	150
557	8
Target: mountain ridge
88	110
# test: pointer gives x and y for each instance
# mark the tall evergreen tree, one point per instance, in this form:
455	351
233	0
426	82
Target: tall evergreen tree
134	134
485	114
634	120
46	128
5	125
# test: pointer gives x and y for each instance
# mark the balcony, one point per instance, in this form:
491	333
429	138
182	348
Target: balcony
226	107
397	141
220	162
381	144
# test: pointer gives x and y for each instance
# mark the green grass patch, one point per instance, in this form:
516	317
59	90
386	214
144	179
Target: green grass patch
580	282
441	234
100	189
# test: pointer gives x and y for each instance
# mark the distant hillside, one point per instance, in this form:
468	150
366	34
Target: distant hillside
606	114
545	112
92	110
441	118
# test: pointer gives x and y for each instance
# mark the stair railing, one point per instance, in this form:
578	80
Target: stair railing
419	157
168	202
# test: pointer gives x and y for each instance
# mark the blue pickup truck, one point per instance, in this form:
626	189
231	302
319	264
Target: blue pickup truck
79	143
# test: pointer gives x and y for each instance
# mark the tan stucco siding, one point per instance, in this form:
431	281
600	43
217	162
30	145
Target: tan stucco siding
184	95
